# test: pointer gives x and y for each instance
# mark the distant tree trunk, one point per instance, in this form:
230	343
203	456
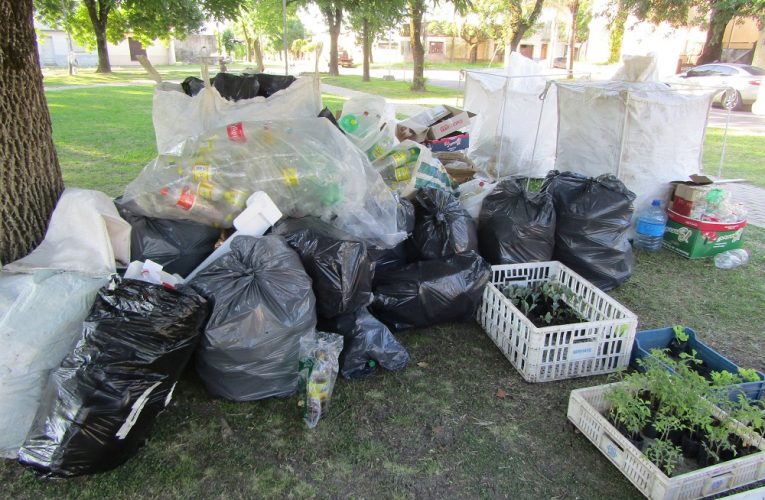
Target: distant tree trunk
367	48
31	178
519	27
98	11
574	9
247	41
617	35
714	44
334	17
473	53
416	9
258	54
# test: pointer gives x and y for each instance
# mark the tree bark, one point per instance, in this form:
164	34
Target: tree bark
574	8
30	181
259	55
98	10
334	17
367	49
247	40
473	53
714	44
416	9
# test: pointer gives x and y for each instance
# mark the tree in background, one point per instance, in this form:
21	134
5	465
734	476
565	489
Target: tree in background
31	181
714	14
228	40
259	21
333	14
370	20
579	28
96	22
295	31
617	34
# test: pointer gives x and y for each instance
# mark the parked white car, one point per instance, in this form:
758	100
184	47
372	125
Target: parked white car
745	80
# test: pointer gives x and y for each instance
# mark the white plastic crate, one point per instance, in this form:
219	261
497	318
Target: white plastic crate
600	345
586	408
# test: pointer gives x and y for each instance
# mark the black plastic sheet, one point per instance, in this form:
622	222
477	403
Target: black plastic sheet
100	404
262	305
516	226
430	292
367	344
339	266
593	217
178	245
442	226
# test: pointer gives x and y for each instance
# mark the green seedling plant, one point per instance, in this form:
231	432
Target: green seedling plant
665	455
628	410
559	300
749	374
680	334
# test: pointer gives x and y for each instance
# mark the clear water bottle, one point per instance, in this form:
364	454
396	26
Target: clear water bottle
651	224
731	258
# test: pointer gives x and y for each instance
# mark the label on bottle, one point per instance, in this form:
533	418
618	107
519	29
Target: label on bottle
402	173
200	173
235	198
290	176
208	191
235	132
399	158
648	228
186	199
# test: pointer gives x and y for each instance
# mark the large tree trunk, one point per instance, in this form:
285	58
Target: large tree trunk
30	182
519	27
259	55
416	9
334	17
367	49
247	41
98	10
574	8
713	46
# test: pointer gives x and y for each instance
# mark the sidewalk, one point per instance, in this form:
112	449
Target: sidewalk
752	197
402	106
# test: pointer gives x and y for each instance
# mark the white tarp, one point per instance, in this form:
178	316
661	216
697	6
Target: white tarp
644	132
178	116
85	234
41	317
504	130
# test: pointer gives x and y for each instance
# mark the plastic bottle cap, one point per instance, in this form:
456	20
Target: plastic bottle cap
656	203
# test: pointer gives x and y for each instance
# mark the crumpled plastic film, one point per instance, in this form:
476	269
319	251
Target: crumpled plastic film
307	167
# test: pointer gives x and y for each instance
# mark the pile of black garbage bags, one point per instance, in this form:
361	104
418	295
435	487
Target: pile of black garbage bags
241	318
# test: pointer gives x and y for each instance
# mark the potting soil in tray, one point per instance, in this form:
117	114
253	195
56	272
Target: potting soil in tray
542	309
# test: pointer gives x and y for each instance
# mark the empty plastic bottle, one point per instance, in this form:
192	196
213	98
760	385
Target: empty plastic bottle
649	231
731	258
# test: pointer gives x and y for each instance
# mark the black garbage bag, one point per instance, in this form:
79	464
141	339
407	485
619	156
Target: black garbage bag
271	84
235	87
593	217
326	113
405	215
262	305
516	226
431	291
178	245
338	265
442	226
367	343
388	258
101	402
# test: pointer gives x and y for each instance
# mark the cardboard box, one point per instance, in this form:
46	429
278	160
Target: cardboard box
433	124
697	239
450	144
689	193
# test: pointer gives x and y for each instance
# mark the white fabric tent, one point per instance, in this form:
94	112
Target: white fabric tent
645	133
503	134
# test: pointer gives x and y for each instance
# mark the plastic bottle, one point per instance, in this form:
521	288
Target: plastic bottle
731	259
651	224
394	167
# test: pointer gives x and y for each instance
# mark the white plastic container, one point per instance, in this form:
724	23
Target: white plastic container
600	345
260	214
586	408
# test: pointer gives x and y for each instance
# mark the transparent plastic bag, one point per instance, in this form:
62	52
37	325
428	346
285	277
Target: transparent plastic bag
306	166
319	352
420	170
369	123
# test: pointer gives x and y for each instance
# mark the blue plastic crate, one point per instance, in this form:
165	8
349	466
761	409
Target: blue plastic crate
660	339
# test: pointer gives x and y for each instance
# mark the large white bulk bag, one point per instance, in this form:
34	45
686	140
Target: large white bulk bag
645	133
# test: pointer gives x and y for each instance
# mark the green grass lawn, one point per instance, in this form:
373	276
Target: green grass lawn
395	89
744	156
436	429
